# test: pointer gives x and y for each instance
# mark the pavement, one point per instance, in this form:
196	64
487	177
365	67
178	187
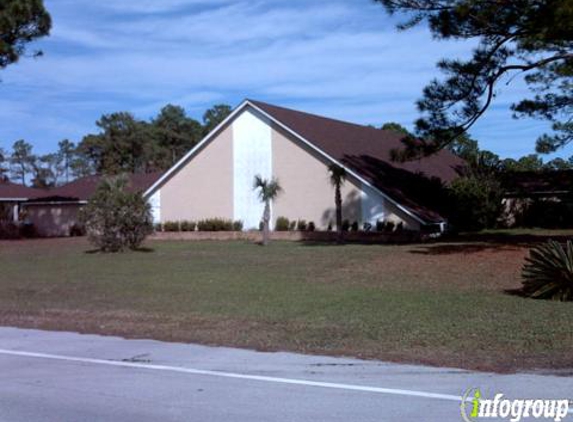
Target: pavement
59	376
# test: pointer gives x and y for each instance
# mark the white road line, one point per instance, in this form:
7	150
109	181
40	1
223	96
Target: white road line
278	380
232	375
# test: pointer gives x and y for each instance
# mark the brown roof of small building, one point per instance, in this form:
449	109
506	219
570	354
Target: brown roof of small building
537	183
82	189
10	190
367	151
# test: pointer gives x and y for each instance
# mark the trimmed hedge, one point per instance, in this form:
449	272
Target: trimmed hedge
282	224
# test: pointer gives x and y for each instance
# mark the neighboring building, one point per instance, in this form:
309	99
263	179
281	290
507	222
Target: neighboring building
538	198
12	196
215	179
55	213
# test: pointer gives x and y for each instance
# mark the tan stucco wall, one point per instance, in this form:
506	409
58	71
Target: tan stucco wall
203	188
307	192
52	220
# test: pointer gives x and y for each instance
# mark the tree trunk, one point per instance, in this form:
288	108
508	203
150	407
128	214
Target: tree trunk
266	220
338	202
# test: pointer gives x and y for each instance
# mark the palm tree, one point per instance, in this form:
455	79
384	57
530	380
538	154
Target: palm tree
268	191
337	179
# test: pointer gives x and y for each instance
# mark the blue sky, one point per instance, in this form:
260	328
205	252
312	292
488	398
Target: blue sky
341	58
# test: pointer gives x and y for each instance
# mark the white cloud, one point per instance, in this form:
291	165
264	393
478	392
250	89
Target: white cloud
345	60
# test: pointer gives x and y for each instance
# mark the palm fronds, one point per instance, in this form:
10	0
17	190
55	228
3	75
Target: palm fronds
548	272
267	189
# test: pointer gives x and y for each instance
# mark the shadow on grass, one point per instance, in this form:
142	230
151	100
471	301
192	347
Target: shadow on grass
515	292
138	250
468	243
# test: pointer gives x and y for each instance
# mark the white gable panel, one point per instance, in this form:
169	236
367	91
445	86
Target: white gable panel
155	203
252	155
373	205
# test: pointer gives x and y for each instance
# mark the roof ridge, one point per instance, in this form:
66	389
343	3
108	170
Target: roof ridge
318	116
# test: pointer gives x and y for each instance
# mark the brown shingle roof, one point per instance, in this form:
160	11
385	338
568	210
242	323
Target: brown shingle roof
82	189
10	190
367	151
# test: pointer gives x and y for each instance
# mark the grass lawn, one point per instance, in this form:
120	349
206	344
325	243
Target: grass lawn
435	303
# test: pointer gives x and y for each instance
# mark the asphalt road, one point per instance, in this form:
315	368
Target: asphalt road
49	376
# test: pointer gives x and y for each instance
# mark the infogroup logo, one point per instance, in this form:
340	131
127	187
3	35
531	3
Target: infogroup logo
474	407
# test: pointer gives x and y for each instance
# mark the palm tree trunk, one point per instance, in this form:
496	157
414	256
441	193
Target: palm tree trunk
338	202
266	220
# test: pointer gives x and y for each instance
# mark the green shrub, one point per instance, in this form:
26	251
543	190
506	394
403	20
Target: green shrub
77	230
301	225
389	226
292	225
115	218
215	225
311	226
354	226
380	225
158	227
548	272
475	202
9	230
238	226
282	224
345	225
171	226
329	228
187	226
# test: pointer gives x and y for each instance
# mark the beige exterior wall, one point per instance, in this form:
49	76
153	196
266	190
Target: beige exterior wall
203	188
307	192
53	220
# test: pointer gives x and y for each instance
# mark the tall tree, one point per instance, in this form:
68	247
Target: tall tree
22	161
66	153
395	127
3	168
268	191
531	38
337	178
214	116
123	145
21	21
175	134
531	162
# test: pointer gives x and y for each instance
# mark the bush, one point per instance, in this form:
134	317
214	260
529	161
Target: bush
301	225
380	225
354	226
115	218
345	225
282	224
292	225
329	228
77	230
9	230
171	226
238	226
400	226
367	227
475	202
215	225
389	226
311	226
187	226
548	272
158	227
